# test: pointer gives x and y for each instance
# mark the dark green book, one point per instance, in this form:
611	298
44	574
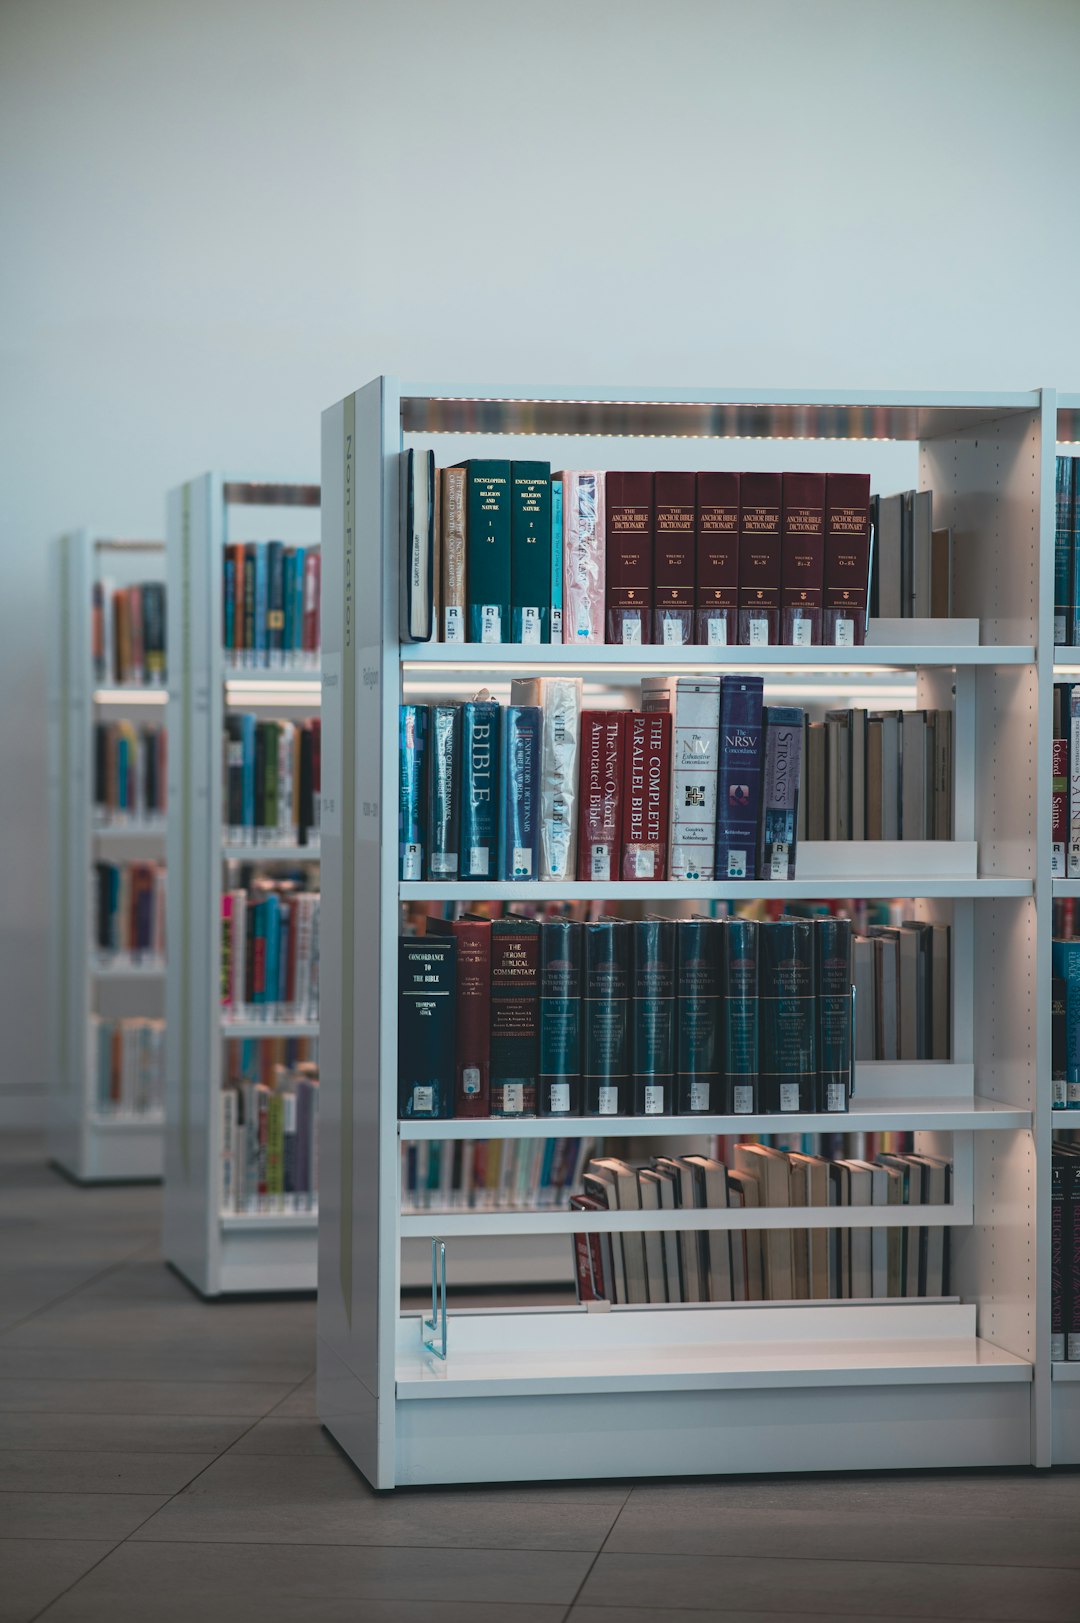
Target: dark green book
560	1018
652	1020
740	1023
530	552
833	1013
487	550
698	1015
605	1046
787	1006
515	1016
427	998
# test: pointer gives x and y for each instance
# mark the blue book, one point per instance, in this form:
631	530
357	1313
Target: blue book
740	1024
271	911
288	604
781	771
248	725
262	598
652	1021
556	559
1072	628
834	976
229	589
698	1016
1065	966
412	745
519	803
560	1018
738	780
1063	556
444	791
480	729
297	622
122	765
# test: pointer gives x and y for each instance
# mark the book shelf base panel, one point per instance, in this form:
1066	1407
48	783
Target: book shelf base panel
268	1258
1065	1435
111	1149
530	1260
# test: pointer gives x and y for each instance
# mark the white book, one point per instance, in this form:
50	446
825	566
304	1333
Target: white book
1074	785
229	1105
694	703
649	1193
559	699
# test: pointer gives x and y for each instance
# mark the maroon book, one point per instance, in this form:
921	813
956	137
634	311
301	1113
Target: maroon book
717	558
847	558
629	548
646	795
676	522
802	559
759	558
472	1078
603	733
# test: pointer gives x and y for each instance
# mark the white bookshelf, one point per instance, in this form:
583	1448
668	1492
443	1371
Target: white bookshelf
90	1145
219	1254
748	1387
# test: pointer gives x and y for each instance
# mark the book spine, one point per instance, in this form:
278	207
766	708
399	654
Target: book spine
1070	1246
559	699
312	572
740	1025
519	819
472	1085
629	557
583	557
444	786
239	553
603	739
275	601
515	1016
556	559
695	738
1073	855
560	1018
479	788
717	594
412	747
1057	1042
833	959
847	559
676	560
1060	804
1057	1260
646	795
1072	525
781	776
250	556
738	783
288	593
698	1013
452	518
530	552
652	1023
787	1011
262	598
605	1044
427	982
802	559
761	496
487	531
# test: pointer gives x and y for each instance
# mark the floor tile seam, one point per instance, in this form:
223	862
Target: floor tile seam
69	1448
850	1561
157	1380
291	1393
339	1544
66	1296
52	1601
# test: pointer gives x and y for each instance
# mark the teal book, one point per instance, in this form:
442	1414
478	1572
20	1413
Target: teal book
1072	627
605	1046
834	1014
560	1018
740	1040
652	1018
698	1013
556	560
530	552
487	550
787	1006
1065	966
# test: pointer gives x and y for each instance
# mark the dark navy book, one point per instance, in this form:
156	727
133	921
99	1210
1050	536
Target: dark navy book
740	1022
427	1032
560	1018
738	782
412	745
605	1044
444	791
479	788
698	1016
833	1013
519	802
788	1005
652	1020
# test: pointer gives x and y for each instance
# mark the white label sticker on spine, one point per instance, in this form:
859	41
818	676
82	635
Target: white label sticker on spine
513	1097
1059	1092
490	623
789	1096
423	1100
736	865
609	1101
845	634
800	634
601	862
778	863
631	633
453	623
759	632
644	863
478	861
412	862
1072	1094
835	1096
699	1096
673	630
444	864
530	627
470	1079
556	625
742	1100
654	1100
522	862
718	632
558	1098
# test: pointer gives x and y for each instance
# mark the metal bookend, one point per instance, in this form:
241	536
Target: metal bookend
433	1330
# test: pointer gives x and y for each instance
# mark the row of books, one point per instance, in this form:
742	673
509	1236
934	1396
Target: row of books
497	551
1065	789
258	1059
129	1066
877	776
1065	1023
272	776
127	632
1065	1253
504	1174
702	782
270	606
1067	551
514	1017
129	772
903	991
723	1265
270	1143
270	952
911	577
129	907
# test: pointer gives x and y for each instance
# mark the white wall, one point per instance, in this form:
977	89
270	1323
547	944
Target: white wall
216	218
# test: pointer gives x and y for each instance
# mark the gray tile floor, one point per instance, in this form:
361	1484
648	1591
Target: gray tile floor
160	1460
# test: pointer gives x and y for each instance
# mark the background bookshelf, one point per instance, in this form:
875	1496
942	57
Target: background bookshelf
96	1133
218	1252
961	1381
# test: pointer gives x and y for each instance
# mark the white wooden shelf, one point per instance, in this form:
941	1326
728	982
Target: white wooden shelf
267	1222
1066	1371
506	1221
1068	1120
269	1028
615	659
121	833
1065	887
121	968
840	886
130	693
232	852
149	1121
